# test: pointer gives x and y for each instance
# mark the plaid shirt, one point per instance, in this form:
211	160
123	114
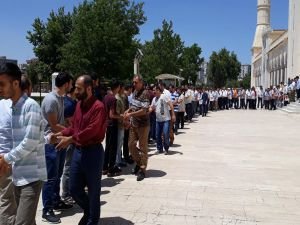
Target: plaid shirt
28	154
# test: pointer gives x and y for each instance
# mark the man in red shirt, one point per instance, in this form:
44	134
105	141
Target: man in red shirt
86	133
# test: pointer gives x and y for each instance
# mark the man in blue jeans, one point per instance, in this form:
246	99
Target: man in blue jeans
53	114
161	105
86	133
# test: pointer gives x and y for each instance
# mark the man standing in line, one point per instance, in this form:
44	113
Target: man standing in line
161	104
111	145
53	114
26	154
140	125
86	133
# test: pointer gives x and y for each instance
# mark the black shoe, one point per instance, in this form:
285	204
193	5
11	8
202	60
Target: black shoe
122	164
135	170
62	206
141	176
166	152
50	217
69	200
129	161
116	171
84	220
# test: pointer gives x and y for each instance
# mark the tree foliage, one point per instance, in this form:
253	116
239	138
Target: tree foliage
191	62
223	67
103	38
98	36
49	38
161	55
166	53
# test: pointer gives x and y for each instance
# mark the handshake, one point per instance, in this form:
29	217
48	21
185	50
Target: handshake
61	142
5	168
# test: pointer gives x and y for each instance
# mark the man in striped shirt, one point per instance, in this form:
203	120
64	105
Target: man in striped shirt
27	157
140	125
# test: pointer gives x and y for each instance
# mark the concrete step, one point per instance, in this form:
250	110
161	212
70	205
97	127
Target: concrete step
289	110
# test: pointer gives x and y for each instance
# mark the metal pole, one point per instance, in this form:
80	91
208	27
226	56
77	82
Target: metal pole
40	92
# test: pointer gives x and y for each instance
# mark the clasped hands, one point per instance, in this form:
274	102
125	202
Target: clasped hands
62	142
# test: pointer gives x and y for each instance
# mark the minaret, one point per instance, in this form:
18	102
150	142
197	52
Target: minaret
263	22
294	39
263	25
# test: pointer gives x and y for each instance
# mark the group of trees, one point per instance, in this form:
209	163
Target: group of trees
99	36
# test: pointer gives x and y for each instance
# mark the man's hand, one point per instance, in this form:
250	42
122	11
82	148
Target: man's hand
173	118
126	116
64	142
4	166
53	138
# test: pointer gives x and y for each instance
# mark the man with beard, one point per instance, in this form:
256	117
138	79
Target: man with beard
25	155
86	133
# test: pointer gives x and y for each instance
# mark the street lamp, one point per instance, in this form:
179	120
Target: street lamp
40	82
137	60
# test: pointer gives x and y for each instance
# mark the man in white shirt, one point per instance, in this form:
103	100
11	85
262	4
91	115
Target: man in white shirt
161	104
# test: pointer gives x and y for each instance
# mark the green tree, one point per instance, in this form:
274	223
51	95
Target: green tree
162	54
223	66
49	38
36	68
102	40
191	62
246	82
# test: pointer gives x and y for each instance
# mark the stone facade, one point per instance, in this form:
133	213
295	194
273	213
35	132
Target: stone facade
275	52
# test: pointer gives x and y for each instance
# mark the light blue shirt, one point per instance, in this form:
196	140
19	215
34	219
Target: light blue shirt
5	127
27	156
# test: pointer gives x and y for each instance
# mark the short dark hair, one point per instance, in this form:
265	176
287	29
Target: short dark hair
62	78
114	84
12	70
157	87
25	82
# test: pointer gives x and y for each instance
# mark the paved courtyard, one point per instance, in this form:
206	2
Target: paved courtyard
233	167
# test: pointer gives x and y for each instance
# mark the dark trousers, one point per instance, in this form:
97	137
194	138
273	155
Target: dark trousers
248	104
267	104
125	144
86	170
204	109
189	111
236	103
225	103
179	120
152	133
55	165
242	103
220	103
111	146
273	104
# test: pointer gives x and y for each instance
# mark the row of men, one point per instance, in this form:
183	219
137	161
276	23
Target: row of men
34	142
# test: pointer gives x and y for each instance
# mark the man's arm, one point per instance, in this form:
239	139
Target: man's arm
52	120
31	138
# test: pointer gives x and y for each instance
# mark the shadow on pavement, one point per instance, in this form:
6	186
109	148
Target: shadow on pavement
70	212
111	182
175	145
155	173
174	153
115	221
105	192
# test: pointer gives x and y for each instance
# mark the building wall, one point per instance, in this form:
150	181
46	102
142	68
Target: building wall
3	59
294	39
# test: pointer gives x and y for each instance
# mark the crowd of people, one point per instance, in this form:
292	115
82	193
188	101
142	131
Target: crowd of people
60	142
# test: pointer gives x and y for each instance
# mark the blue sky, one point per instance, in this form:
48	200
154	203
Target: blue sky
212	24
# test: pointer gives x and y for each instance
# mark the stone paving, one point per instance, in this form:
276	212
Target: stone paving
233	167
